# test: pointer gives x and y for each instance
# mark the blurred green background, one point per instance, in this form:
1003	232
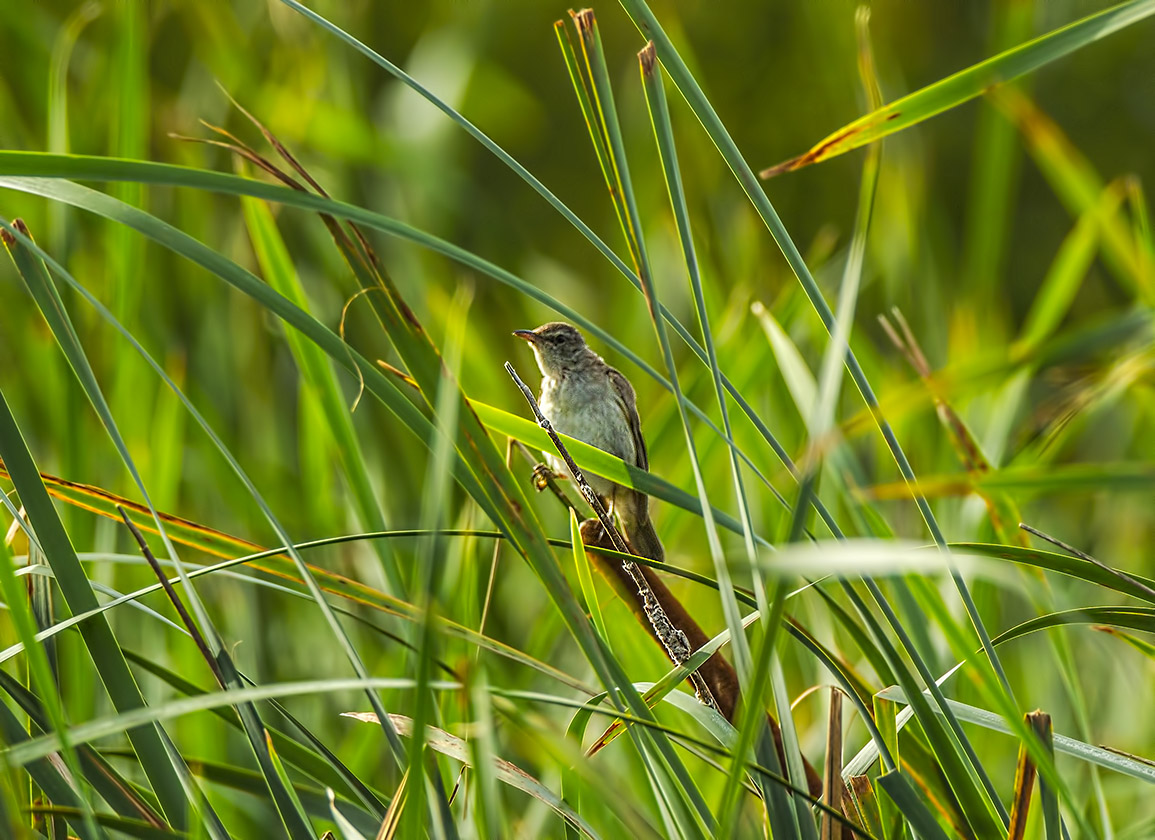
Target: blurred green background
965	229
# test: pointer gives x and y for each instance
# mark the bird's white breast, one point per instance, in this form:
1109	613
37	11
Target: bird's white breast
590	412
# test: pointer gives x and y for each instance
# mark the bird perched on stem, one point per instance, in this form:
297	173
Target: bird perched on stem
585	398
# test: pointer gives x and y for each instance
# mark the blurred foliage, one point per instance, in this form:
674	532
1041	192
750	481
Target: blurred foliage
970	220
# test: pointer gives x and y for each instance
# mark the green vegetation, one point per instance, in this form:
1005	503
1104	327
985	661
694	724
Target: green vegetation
270	489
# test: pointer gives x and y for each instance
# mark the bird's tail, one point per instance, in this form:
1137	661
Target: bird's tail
639	528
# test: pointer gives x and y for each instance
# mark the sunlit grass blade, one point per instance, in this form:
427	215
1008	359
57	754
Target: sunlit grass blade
886	719
967	84
1021	795
1053	825
866	805
899	788
1141	645
832	785
585	578
278	269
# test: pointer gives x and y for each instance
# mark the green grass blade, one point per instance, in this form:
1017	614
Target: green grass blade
317	371
44	681
969	83
899	788
663	133
98	637
585	578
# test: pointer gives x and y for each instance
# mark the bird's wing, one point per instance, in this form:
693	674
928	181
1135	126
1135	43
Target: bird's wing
629	404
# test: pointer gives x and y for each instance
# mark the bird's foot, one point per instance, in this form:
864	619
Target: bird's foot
594	534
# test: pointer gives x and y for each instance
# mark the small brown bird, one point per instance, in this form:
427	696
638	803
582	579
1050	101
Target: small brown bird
585	398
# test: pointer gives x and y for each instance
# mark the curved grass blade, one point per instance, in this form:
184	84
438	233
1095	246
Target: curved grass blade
358	593
1069	746
318	763
211	644
318	373
1136	586
969	83
99	639
107	169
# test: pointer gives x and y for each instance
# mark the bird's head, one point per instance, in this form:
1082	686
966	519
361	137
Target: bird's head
558	347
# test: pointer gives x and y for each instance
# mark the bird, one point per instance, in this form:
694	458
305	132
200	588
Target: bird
585	398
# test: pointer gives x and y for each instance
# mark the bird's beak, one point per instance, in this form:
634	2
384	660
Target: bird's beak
528	335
